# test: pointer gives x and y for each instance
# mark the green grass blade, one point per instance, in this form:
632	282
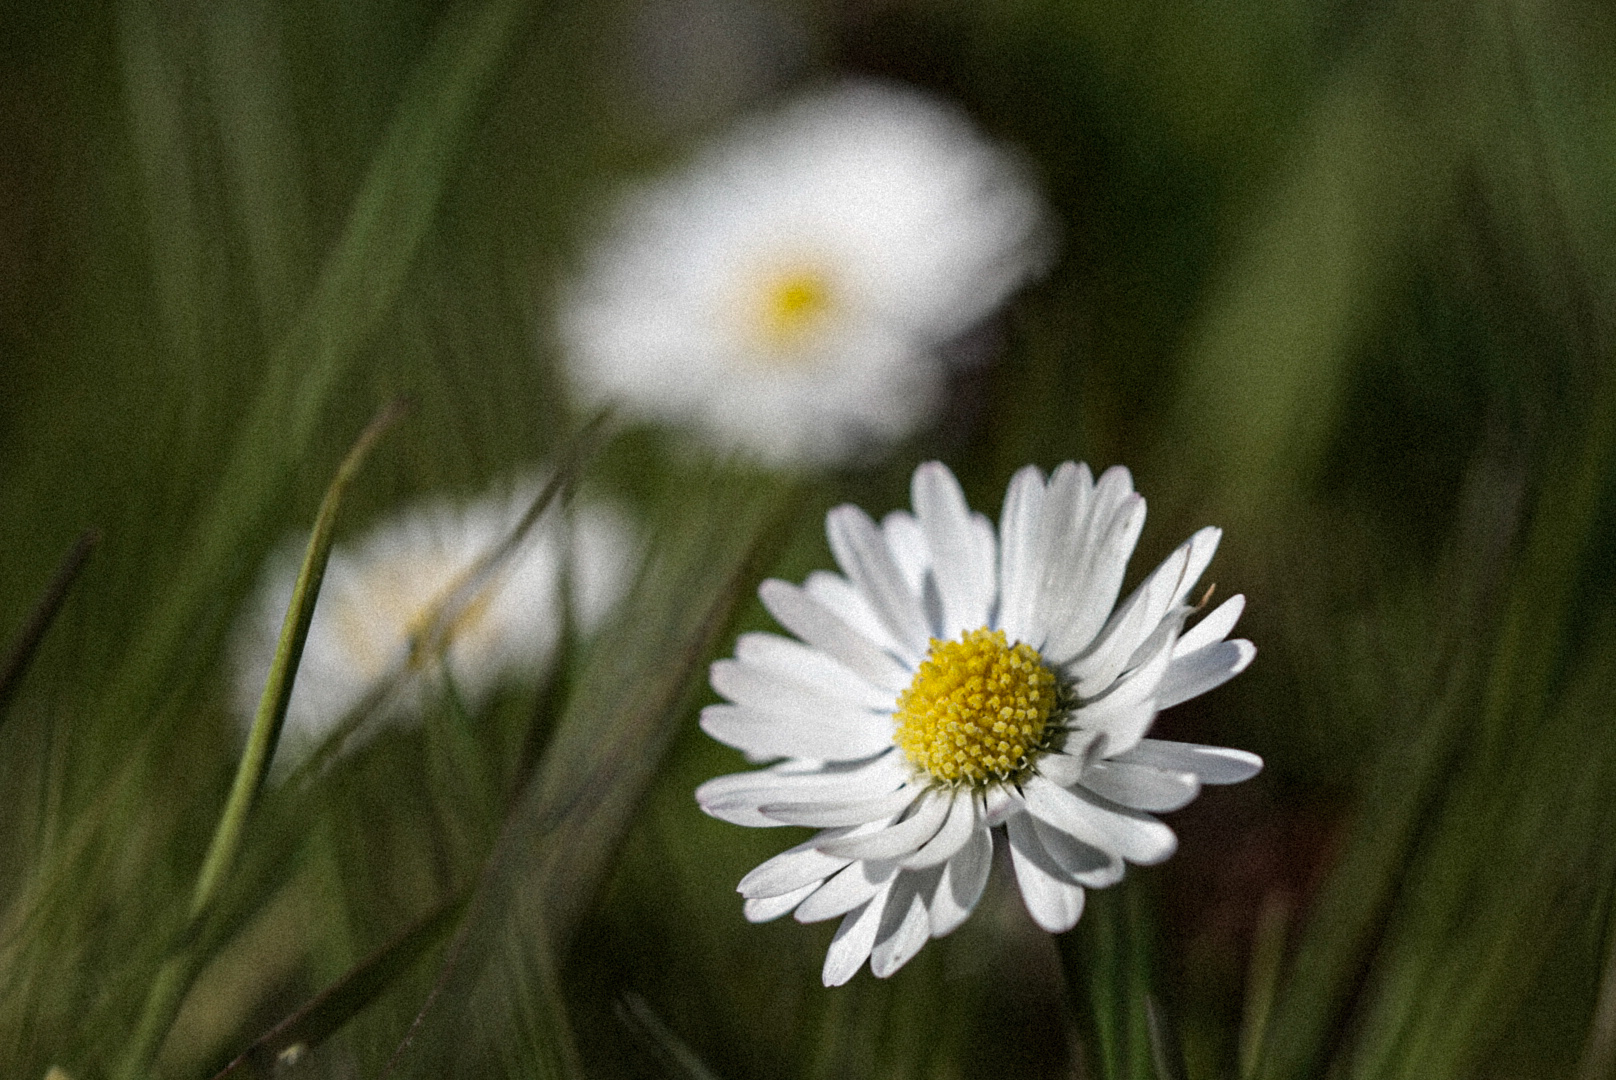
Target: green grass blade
357	286
338	1003
1166	1045
1343	927
539	1041
1262	978
247	81
1107	962
154	92
176	974
677	1058
1266	371
40	619
1598	1060
561	835
266	726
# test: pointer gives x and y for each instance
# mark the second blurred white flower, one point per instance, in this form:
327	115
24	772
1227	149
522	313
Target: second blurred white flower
380	591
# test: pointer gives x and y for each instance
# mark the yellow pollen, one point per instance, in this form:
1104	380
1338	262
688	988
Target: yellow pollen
792	304
977	708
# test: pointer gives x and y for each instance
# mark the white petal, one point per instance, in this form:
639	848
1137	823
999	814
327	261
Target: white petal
757	687
1085	575
737	797
817	625
1065	767
1062	768
1125	713
851	946
1085	864
1211	764
792	869
850	605
998	802
1213	627
987	551
772	907
964	877
908	546
1138	617
1141	787
1020	569
896	841
780	733
1193	674
801	663
750	684
965	582
954	834
834	812
846	891
905	927
1134	621
1053	902
862	553
1055	562
1136	837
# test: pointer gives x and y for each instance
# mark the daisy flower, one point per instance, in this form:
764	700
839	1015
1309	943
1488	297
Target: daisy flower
379	592
788	292
953	682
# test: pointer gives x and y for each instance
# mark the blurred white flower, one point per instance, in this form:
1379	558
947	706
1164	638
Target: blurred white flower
954	682
380	591
788	292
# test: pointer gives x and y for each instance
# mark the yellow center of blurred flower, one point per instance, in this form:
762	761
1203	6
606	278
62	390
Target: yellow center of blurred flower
425	647
977	709
793	304
389	606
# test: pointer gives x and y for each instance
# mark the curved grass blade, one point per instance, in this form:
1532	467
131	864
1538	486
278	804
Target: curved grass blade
678	1059
1166	1045
433	637
331	1008
266	726
358	284
1107	963
1598	1060
557	843
247	79
177	973
1346	922
44	613
430	641
1262	978
539	1041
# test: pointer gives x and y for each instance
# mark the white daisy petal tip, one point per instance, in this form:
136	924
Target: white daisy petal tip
916	726
767	909
788	293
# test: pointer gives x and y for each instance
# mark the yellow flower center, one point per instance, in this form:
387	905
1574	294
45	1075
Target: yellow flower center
793	303
977	708
389	605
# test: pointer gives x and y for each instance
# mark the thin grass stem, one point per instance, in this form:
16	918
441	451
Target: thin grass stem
40	619
179	970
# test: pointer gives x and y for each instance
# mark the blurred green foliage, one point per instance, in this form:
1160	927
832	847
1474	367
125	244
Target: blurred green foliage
1338	276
